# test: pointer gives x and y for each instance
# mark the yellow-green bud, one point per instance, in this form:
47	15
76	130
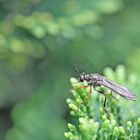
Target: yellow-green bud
104	117
106	123
68	135
82	120
138	121
129	124
96	125
69	101
73	80
71	126
73	107
116	130
79	101
121	130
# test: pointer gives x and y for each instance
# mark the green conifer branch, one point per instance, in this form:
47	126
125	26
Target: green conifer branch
93	123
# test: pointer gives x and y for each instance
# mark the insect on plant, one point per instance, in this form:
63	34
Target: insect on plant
95	80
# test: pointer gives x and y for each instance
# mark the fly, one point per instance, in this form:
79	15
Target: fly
95	80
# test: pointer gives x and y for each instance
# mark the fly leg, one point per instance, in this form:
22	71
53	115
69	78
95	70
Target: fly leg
95	85
99	91
104	104
105	100
106	111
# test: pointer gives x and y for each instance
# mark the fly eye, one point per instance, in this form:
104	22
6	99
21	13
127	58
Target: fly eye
81	80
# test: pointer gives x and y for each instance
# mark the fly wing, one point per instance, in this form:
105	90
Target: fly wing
121	90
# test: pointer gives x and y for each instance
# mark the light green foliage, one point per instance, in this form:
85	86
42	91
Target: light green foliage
91	127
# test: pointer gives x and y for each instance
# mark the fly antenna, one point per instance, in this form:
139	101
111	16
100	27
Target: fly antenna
77	70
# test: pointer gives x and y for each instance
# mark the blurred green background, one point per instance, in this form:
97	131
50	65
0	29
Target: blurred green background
41	43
